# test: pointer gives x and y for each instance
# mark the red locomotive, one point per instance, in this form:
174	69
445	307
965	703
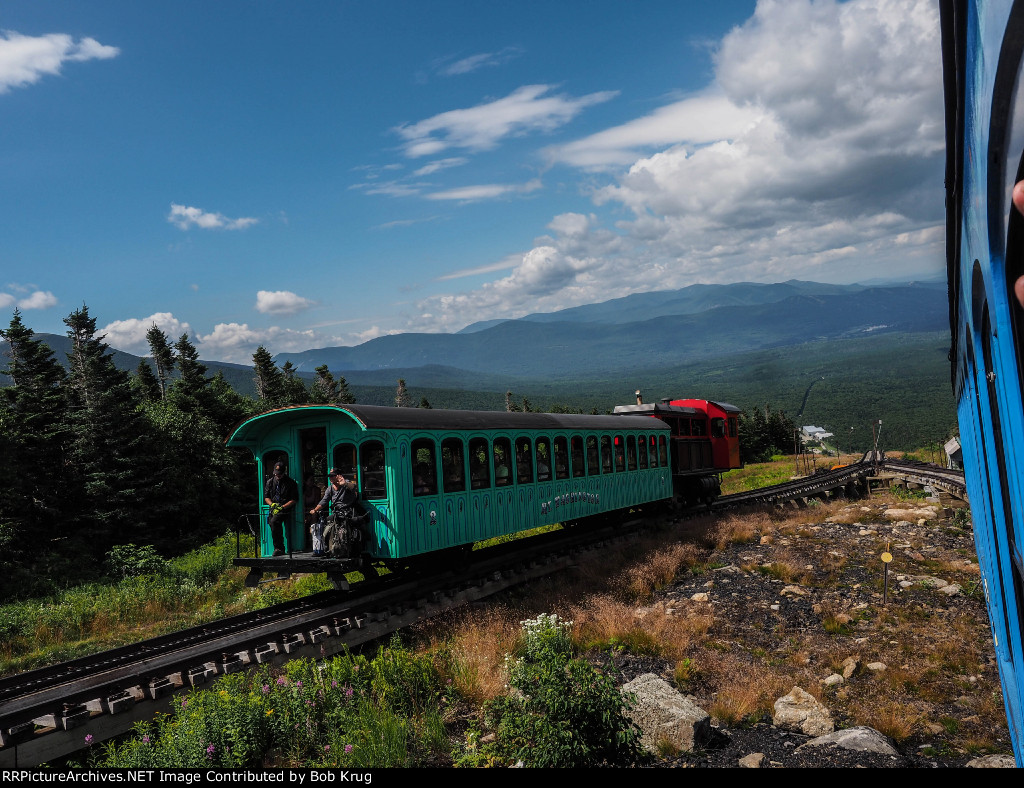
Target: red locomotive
704	443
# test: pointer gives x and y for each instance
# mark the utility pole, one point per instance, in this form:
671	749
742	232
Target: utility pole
875	436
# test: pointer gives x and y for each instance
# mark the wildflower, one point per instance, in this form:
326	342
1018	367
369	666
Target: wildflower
88	739
184	703
348	692
281	681
145	739
210	751
327	748
348	748
334	683
269	712
298	684
266	688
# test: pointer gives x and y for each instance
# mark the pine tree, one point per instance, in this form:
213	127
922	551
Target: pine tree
146	383
294	389
33	442
163	357
110	472
189	390
268	379
425	404
345	396
401	395
510	406
325	388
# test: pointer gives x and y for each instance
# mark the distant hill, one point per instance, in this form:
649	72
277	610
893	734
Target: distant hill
568	349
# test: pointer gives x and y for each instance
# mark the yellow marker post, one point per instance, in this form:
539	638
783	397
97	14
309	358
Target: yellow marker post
886	560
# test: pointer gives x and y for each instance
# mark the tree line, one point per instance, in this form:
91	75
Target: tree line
93	457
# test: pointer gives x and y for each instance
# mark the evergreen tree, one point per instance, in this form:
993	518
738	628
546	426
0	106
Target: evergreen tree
189	389
33	442
510	406
764	433
324	390
268	379
401	395
163	357
425	403
294	389
110	478
345	396
146	383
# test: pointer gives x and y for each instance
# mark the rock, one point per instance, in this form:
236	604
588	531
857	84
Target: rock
951	590
849	667
876	667
663	714
701	597
833	681
766	540
993	762
800	711
794	591
756	760
861	739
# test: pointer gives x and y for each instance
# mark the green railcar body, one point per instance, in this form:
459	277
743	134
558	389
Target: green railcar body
434	479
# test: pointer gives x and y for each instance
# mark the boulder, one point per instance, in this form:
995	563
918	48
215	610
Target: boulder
861	739
993	762
800	711
663	714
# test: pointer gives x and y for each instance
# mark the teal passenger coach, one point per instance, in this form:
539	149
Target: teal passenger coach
436	479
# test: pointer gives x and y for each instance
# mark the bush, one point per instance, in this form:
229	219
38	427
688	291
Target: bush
130	560
563	712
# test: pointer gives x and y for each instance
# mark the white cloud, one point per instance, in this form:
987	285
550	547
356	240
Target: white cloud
482	60
281	302
485	191
183	217
502	265
526	109
816	153
38	299
24	60
236	342
438	165
130	335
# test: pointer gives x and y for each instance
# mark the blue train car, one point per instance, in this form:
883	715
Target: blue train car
435	480
982	45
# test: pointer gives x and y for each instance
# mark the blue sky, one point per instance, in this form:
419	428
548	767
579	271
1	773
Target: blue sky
308	174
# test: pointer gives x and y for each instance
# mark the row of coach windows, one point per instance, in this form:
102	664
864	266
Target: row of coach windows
526	461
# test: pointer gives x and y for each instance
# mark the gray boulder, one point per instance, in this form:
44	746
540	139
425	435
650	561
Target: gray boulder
861	739
800	711
663	714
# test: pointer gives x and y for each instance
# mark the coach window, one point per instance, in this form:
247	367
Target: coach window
700	428
453	465
502	457
606	454
479	465
524	461
424	467
345	459
631	452
593	458
543	459
561	457
718	428
652	450
620	454
662	451
642	451
684	428
371	463
579	467
732	427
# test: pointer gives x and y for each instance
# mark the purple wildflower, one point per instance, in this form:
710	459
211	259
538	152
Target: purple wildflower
298	684
184	703
348	748
334	683
88	739
266	688
210	751
348	692
281	681
145	739
327	748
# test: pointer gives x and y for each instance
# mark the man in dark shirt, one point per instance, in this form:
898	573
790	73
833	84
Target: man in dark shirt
281	494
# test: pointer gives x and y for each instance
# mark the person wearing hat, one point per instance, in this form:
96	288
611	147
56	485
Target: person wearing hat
342	496
281	494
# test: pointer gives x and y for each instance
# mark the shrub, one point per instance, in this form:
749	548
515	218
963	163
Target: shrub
563	712
130	560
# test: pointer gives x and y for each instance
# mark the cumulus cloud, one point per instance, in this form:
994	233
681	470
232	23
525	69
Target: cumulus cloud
528	109
37	299
236	342
281	302
24	60
130	335
184	217
816	153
